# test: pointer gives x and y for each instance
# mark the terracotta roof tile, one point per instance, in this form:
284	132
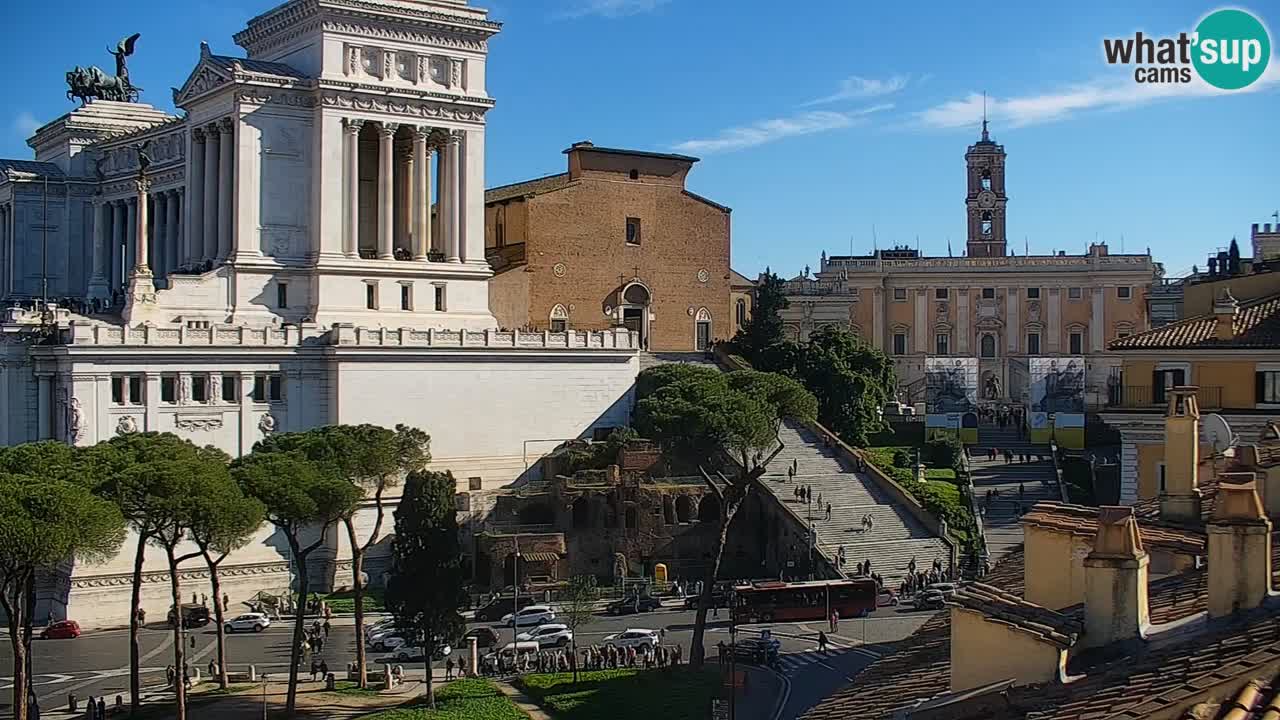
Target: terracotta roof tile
536	186
1082	520
1000	606
1257	325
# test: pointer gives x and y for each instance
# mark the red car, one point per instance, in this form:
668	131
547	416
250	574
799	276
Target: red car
62	630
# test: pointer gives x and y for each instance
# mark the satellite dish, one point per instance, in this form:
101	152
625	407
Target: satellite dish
1218	433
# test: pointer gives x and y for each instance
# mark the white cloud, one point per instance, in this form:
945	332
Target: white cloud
612	8
1060	103
855	87
767	131
25	124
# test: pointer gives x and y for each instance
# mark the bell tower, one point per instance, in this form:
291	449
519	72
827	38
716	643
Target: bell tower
986	199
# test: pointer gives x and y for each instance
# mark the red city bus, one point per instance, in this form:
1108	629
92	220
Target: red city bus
815	600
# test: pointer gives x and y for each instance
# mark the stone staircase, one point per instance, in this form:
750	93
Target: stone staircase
896	536
1035	479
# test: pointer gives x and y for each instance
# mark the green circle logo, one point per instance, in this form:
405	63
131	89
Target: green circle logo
1232	49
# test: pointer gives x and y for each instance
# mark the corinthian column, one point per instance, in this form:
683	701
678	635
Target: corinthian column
226	142
351	243
195	206
422	192
209	249
173	243
101	250
386	200
453	188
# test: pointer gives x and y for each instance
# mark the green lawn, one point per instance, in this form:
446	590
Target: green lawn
345	602
940	474
470	699
680	694
348	687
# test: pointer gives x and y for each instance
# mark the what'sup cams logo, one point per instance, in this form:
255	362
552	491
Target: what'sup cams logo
1229	50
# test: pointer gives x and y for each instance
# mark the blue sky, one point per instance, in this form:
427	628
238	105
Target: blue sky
815	121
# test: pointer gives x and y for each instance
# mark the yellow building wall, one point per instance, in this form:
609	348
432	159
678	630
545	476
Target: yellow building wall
1149	459
1048	553
983	652
1236	378
900	313
1078	314
1197	299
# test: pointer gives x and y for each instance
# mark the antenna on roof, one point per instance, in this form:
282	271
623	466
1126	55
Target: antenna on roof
985	136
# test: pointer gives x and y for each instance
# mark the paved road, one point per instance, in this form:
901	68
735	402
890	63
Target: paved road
98	663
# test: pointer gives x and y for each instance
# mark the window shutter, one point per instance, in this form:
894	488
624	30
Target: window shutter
1157	386
1179	377
1260	387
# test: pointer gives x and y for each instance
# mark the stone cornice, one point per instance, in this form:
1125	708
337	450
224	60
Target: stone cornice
402	107
367	19
383	91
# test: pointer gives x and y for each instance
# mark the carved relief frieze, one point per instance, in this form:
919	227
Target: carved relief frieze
198	422
402	107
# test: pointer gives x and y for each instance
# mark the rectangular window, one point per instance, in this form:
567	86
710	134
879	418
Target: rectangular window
1124	292
168	389
200	388
899	293
940	294
1033	293
282	295
633	231
1160	476
406	296
988	293
259	388
1073	293
1268	382
559	325
230	388
1033	343
1123	334
371	295
1165	379
475	483
135	389
899	343
941	344
440	299
275	388
117	390
1076	344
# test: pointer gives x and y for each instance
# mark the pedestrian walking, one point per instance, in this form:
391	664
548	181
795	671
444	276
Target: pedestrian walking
326	627
315	669
828	511
835	621
819	499
213	668
102	708
193	642
822	641
448	669
90	708
662	636
142	616
324	670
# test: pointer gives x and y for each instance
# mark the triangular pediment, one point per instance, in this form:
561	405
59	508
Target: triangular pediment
205	77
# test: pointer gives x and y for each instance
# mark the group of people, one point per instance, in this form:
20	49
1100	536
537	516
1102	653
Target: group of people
1003	417
171	675
917	579
319	667
317	634
1010	456
450	666
96	710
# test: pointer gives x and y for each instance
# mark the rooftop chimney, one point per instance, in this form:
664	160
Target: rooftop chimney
1115	579
1180	500
1239	547
1224	312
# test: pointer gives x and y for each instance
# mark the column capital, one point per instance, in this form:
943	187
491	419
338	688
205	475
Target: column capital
197	135
143	185
352	126
226	125
211	130
422	132
388	129
453	137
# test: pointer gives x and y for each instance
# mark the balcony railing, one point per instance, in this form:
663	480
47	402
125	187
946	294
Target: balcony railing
1145	396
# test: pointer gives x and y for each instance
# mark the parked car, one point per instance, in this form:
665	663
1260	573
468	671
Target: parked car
193	616
533	615
887	598
633	637
496	608
930	600
485	637
61	630
719	598
947	589
633	604
549	635
386	641
382	626
415	653
249	622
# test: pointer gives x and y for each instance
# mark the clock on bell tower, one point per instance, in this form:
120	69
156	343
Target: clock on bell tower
986	199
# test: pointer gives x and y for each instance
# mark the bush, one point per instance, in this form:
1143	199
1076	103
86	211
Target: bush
940	497
902	458
944	451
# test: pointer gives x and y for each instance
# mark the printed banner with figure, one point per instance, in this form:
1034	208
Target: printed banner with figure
951	394
1057	392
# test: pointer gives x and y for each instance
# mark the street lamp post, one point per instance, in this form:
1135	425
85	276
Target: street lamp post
515	603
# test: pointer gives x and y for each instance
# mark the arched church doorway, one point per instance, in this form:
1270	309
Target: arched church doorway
635	311
702	340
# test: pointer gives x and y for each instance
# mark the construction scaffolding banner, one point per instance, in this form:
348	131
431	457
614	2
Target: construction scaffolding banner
951	396
1057	400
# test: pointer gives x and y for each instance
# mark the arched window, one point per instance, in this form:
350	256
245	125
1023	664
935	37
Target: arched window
988	346
741	312
581	514
709	509
559	319
703	337
633	518
668	511
986	178
636	294
684	509
986	222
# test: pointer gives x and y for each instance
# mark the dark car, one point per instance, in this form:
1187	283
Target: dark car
719	598
485	637
633	604
761	651
61	630
193	616
496	608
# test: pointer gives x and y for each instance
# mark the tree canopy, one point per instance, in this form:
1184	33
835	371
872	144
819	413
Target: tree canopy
764	329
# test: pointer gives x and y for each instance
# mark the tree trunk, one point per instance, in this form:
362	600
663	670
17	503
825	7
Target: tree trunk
215	584
17	620
179	651
135	602
696	650
357	584
299	622
430	679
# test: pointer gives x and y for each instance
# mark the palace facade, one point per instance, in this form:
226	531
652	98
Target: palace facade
269	261
999	307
